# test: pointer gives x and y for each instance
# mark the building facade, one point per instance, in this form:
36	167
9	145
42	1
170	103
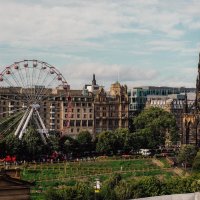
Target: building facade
191	118
175	104
111	108
92	109
138	96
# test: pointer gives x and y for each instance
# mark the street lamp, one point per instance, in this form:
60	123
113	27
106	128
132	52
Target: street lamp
97	187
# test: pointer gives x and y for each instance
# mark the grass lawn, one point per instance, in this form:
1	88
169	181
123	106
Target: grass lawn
67	174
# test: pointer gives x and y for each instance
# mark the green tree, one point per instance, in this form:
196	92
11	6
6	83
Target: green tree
156	125
146	187
196	163
13	146
187	154
84	139
121	135
32	144
123	190
106	142
134	142
79	192
108	190
68	145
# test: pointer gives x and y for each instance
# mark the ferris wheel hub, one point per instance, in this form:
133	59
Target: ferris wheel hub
35	105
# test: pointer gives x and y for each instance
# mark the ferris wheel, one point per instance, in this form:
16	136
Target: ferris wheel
25	89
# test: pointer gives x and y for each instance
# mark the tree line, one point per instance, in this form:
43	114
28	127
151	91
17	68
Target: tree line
152	127
117	188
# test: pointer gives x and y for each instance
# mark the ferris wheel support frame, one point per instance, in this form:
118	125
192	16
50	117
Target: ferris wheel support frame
21	129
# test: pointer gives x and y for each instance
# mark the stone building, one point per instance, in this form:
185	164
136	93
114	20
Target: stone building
191	118
186	111
138	96
111	108
92	109
82	113
175	104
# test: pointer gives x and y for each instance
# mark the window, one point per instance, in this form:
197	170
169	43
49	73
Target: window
97	108
78	122
84	123
71	122
90	123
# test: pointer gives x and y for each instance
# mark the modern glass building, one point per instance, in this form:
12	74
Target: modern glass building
138	95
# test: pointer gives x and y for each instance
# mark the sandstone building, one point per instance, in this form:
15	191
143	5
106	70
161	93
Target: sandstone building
92	109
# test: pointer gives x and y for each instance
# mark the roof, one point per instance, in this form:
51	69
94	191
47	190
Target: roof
7	182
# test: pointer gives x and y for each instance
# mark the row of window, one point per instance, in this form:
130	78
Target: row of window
81	123
84	116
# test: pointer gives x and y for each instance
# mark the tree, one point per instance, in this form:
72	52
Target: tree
187	154
121	135
33	146
80	192
155	124
13	146
84	139
106	143
196	163
134	142
146	187
108	190
68	145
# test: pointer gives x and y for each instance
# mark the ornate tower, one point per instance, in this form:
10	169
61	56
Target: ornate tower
94	80
197	103
191	131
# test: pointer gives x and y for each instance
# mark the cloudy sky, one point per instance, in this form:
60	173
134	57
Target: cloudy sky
139	42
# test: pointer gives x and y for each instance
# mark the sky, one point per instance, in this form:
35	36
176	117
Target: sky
135	42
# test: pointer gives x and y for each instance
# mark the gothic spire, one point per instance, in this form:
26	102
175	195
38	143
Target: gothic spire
94	80
199	64
197	86
186	103
198	76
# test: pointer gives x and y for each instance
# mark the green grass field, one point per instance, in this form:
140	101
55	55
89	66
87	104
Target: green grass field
59	175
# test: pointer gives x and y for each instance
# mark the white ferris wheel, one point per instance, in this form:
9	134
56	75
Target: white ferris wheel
24	87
